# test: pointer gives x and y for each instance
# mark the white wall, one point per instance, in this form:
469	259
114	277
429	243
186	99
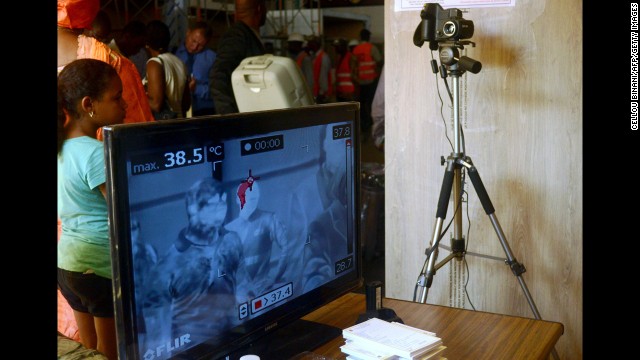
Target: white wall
523	130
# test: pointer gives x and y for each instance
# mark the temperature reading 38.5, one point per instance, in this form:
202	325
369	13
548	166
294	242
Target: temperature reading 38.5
181	158
157	161
341	132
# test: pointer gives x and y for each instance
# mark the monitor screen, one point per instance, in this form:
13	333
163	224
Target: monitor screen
225	229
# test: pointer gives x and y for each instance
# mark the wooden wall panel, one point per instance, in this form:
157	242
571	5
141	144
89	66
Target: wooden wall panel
522	120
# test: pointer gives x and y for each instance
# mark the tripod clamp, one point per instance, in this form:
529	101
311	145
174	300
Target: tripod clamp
516	268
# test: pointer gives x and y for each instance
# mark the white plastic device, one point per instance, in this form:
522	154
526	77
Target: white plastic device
268	82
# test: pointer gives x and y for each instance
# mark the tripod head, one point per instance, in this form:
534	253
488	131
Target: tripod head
450	55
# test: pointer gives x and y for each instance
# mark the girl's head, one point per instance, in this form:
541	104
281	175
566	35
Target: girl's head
90	94
158	36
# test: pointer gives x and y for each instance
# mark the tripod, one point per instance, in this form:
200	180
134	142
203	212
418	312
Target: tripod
451	184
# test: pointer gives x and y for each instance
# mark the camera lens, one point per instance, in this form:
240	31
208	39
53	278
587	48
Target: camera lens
449	28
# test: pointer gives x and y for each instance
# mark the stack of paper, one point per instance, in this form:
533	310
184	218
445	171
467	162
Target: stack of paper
377	339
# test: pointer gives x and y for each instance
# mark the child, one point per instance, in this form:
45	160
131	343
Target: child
89	96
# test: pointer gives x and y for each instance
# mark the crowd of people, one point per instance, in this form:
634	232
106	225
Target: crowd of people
108	77
194	79
350	73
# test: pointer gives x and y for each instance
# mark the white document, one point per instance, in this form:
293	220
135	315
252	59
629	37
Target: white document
416	5
391	338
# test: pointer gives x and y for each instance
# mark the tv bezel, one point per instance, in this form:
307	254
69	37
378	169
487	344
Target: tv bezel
120	139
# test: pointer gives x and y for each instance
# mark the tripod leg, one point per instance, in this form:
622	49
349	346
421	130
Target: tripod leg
515	266
428	270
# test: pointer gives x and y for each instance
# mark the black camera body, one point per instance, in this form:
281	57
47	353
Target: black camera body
440	25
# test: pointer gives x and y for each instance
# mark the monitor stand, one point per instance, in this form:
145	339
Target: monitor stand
289	341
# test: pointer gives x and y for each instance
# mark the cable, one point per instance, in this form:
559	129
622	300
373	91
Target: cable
446	134
462	142
466	246
443	75
428	252
466	266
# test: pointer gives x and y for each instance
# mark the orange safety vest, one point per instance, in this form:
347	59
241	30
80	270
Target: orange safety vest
300	58
343	74
317	64
366	64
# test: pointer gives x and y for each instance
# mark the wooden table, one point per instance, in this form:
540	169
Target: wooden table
467	334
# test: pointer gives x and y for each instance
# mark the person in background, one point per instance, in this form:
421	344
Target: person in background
131	43
352	45
193	288
312	204
100	27
73	17
327	238
199	60
295	44
145	258
240	41
345	88
268	47
367	65
167	78
264	241
90	96
377	114
322	82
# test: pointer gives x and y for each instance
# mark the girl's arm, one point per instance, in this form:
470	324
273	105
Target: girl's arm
155	85
103	189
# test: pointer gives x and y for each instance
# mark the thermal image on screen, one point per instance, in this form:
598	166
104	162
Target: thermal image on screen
225	230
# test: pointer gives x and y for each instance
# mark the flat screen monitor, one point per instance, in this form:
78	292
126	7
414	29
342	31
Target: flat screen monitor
226	230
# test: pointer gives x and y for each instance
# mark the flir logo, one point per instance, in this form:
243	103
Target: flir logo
164	350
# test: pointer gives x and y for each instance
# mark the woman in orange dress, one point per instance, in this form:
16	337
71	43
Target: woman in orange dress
73	17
